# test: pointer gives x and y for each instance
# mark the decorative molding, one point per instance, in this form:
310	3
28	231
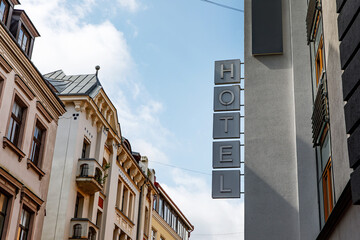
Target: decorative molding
77	106
20	82
133	171
44	112
31	198
30	164
15	149
5	65
127	164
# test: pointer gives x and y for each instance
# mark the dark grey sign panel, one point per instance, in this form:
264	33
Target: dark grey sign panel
227	98
267	27
226	125
227	71
226	154
226	184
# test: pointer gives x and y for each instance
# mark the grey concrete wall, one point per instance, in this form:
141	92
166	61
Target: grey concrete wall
348	227
340	157
279	153
306	159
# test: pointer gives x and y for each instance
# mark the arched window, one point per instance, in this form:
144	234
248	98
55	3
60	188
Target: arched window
84	170
92	234
98	176
77	231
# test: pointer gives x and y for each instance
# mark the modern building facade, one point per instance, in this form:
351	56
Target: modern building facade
97	182
167	221
29	114
302	119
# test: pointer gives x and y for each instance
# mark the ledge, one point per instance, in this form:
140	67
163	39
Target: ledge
5	65
15	149
40	172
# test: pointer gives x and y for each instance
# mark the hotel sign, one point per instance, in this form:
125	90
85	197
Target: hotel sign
226	125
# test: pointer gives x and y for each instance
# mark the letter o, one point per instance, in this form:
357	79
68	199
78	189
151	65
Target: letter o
226	103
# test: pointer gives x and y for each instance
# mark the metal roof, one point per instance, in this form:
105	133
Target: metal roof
86	84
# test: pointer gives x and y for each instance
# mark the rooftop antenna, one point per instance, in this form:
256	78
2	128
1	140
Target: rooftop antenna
97	68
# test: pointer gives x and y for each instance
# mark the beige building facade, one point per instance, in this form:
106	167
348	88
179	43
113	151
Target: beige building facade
97	182
168	222
29	114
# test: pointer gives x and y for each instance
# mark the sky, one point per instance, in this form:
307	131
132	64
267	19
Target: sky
157	66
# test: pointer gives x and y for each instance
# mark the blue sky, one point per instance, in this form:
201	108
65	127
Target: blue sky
157	65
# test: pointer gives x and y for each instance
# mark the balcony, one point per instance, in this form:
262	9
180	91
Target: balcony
89	175
83	228
321	111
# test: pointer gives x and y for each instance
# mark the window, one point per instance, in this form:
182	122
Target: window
3	208
98	218
131	209
98	176
85	149
92	234
327	190
153	234
325	175
124	201
78	206
77	231
36	146
23	39
319	62
24	226
84	170
4	8
154	202
16	121
161	211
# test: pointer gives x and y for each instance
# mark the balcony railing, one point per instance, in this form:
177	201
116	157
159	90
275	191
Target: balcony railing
83	228
89	175
321	111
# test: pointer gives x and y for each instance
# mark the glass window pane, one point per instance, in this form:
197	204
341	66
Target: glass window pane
325	151
2	10
20	37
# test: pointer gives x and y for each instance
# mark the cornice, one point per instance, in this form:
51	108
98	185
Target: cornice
22	66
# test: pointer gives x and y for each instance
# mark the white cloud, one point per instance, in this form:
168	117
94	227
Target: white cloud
131	5
68	42
213	219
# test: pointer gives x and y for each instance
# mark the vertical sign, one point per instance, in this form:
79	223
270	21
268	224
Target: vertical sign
267	35
226	125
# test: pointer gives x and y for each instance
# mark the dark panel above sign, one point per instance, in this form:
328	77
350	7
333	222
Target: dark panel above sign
267	27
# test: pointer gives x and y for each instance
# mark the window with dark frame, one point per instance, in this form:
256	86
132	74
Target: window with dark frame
37	143
24	39
3	208
85	149
84	170
4	9
327	190
77	231
24	226
15	122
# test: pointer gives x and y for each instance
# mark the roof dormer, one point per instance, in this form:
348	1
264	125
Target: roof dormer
6	10
23	31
